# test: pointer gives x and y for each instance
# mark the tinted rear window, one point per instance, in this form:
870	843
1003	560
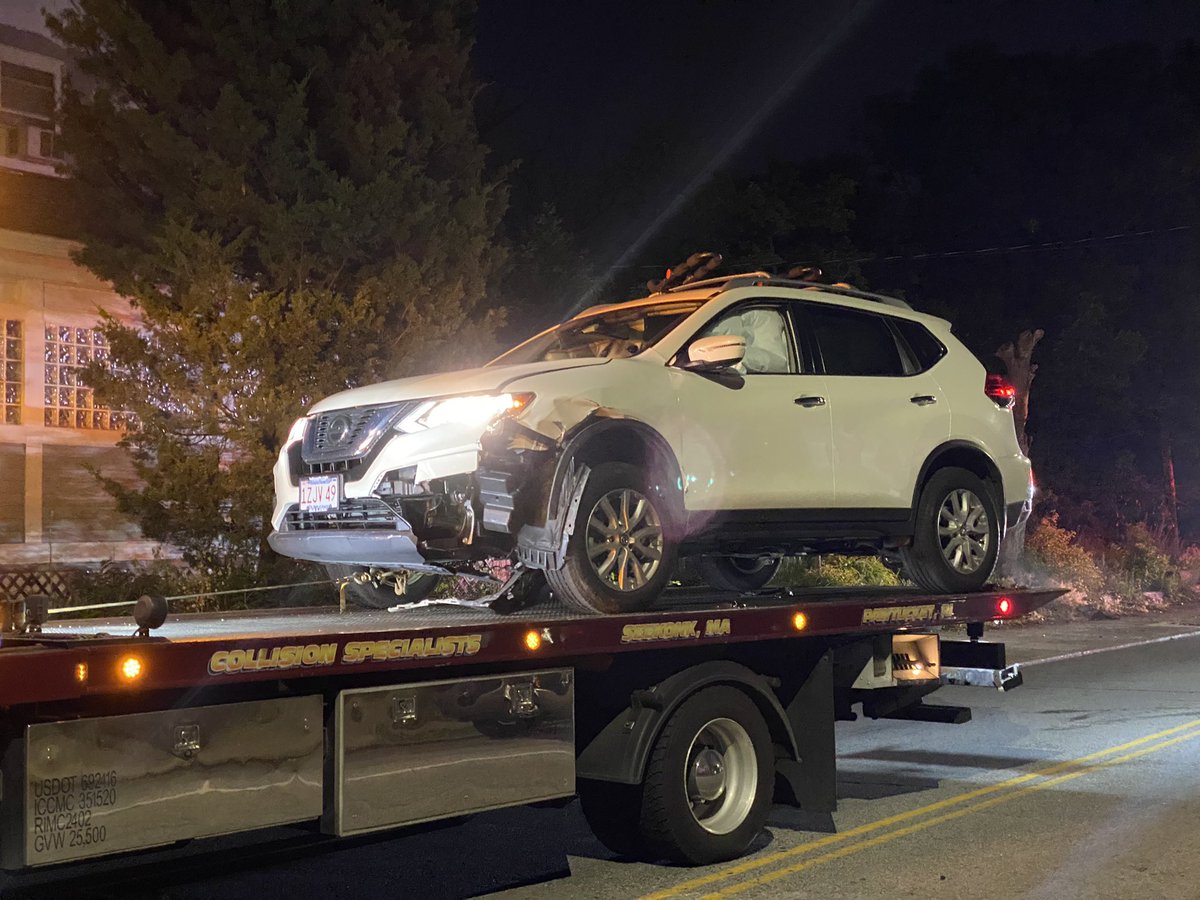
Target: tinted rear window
854	343
927	349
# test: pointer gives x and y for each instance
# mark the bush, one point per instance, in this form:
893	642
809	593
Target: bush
833	570
1051	554
1140	565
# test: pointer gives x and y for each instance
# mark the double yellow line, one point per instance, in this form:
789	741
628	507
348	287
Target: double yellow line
902	824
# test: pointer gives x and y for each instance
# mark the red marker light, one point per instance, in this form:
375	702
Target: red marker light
1004	606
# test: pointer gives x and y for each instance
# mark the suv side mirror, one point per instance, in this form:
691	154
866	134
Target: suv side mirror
716	351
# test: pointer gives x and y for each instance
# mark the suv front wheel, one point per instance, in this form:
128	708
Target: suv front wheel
621	552
957	534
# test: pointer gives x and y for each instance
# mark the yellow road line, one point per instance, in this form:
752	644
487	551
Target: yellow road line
886	837
771	858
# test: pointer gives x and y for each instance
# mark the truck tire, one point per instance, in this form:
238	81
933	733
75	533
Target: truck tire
738	573
373	596
709	781
957	534
621	553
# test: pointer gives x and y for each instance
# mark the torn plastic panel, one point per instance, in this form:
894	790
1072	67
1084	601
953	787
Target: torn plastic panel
530	485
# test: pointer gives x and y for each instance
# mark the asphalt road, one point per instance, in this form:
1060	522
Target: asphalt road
1085	782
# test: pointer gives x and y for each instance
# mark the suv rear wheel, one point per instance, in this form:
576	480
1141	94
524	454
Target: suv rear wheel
957	535
621	552
738	573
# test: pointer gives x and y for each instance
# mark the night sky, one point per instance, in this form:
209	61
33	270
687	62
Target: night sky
579	80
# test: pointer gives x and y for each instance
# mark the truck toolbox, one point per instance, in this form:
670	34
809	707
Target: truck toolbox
416	752
101	785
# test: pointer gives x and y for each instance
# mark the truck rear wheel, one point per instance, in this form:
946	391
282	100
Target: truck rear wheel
710	779
738	573
957	534
621	553
369	593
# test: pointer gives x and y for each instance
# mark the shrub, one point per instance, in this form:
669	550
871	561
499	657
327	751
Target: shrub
1052	554
833	570
1139	565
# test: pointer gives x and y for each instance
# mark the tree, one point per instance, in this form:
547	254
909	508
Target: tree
295	197
992	151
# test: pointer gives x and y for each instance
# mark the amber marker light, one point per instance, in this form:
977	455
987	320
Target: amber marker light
130	669
533	640
81	672
799	621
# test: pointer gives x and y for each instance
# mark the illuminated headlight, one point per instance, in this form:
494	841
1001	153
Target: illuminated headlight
478	409
297	432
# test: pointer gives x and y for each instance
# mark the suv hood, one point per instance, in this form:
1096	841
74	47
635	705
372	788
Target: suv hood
446	384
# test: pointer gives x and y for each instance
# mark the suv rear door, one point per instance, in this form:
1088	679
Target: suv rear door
888	411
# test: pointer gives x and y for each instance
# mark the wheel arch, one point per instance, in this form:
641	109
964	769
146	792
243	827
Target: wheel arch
967	455
621	750
601	439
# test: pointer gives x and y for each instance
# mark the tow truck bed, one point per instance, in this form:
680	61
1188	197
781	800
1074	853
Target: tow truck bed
360	721
190	650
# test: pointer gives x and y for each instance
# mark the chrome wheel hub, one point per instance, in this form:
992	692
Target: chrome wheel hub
964	531
706	778
721	776
624	539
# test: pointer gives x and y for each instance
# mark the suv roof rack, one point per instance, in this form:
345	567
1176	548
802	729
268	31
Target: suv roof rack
766	279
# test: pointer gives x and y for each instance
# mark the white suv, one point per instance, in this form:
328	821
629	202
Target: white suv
737	420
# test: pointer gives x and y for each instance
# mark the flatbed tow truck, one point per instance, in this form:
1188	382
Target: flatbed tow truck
677	727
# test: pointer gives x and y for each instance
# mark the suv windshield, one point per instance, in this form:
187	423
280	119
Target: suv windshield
614	334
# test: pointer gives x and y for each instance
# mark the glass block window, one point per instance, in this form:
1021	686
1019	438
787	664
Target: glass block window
12	373
68	402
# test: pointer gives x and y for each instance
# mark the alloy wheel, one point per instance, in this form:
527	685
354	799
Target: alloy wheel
964	531
625	539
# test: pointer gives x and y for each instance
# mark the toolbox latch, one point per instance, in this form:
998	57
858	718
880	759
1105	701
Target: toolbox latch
404	709
187	741
522	699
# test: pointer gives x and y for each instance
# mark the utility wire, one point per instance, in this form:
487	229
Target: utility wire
980	251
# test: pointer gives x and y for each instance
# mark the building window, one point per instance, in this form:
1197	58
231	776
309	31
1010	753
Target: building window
27	91
12	373
69	403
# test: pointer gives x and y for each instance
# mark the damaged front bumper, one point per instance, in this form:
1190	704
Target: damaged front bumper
323	540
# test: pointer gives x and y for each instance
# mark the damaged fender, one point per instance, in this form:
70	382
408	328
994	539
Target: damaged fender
530	484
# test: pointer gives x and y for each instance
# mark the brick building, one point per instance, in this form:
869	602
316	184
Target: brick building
53	437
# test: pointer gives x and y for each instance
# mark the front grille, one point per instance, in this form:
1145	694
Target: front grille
352	515
345	436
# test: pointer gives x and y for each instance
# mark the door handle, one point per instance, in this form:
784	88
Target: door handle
923	400
809	401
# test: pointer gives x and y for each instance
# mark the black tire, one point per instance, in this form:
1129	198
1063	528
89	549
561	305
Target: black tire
925	560
738	573
612	812
669	825
578	583
372	596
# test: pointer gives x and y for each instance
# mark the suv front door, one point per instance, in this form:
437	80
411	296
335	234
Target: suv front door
759	438
887	416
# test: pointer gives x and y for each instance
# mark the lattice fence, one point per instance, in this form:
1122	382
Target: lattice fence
18	585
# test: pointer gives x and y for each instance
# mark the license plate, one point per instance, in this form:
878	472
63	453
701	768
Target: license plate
320	493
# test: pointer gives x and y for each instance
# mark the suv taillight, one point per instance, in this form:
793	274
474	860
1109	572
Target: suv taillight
1001	391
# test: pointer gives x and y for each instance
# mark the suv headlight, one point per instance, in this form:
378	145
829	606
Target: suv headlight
476	409
297	432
